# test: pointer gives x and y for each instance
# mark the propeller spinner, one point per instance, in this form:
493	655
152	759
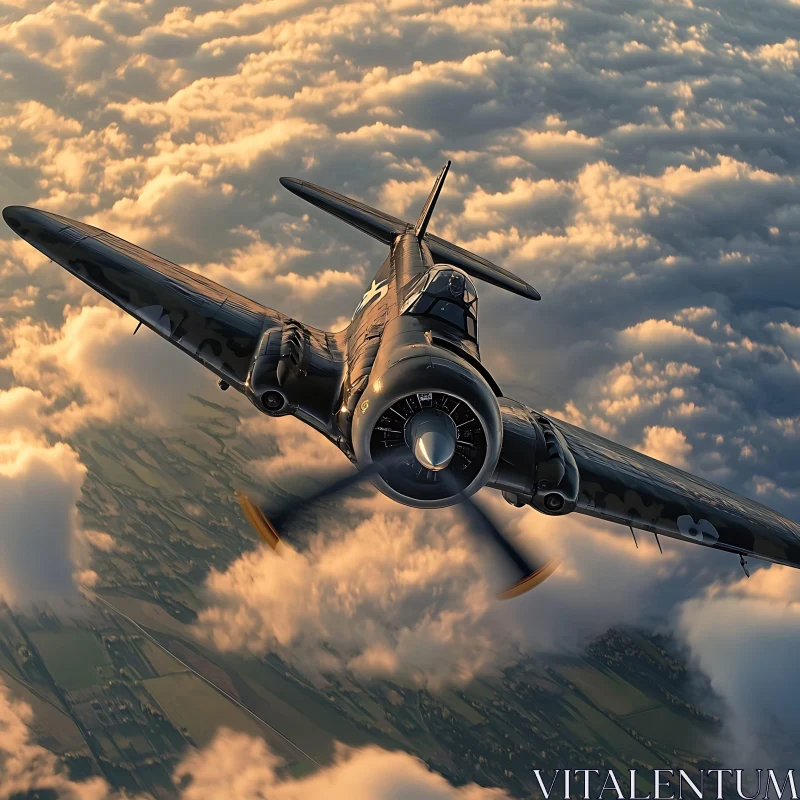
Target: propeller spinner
432	436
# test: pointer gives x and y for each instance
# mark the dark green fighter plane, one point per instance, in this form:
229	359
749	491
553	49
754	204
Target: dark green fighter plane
402	390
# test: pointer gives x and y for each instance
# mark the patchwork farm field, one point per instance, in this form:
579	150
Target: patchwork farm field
74	657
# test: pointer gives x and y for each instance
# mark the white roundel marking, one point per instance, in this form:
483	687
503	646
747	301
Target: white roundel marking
702	531
375	290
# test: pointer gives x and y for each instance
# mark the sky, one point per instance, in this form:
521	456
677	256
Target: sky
637	162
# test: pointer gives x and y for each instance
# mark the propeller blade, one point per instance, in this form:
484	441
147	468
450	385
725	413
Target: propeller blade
268	527
256	517
532	571
485	527
529	581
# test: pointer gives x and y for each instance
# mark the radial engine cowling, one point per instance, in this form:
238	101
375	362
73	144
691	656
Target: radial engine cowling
408	413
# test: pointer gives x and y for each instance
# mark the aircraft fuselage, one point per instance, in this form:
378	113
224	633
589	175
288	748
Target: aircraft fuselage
410	352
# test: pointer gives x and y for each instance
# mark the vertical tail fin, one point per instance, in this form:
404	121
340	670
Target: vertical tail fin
425	216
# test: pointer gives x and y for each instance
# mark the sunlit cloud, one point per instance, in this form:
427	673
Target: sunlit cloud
40	485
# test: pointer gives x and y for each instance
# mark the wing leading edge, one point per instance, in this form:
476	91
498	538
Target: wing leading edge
632	489
217	327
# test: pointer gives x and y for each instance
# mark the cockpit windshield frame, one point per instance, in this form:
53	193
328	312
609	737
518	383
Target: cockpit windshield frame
447	295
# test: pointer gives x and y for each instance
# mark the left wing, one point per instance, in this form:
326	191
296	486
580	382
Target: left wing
632	489
215	326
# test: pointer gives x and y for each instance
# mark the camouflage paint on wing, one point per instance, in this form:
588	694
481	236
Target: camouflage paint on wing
627	487
217	327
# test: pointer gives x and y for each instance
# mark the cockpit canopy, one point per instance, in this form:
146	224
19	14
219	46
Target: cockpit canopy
446	294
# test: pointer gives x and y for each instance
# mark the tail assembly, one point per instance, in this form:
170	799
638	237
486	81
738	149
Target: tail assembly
385	228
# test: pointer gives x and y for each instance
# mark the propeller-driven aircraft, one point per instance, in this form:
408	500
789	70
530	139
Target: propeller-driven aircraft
403	393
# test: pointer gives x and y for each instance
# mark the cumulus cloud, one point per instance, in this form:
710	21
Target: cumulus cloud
40	484
662	332
238	766
384	592
97	370
666	444
576	603
100	540
744	636
783	54
409	596
398	595
39	487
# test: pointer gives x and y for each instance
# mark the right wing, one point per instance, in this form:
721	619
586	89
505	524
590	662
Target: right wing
215	326
632	489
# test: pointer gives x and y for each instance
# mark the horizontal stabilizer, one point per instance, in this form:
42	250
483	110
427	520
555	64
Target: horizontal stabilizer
386	228
479	267
380	226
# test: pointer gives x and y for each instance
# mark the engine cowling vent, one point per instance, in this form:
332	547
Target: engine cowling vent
293	357
410	477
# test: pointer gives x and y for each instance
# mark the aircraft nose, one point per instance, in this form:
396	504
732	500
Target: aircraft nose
433	439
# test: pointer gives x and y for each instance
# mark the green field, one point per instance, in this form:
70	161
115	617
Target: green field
607	690
191	529
303	714
53	727
614	739
156	478
186	453
106	745
74	657
453	701
670	729
163	663
145	613
194	705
